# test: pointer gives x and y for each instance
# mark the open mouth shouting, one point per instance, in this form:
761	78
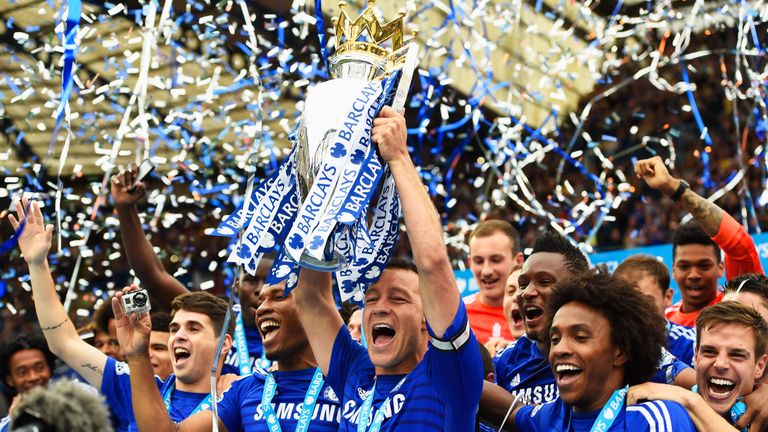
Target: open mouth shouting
517	317
533	314
269	328
181	356
720	390
382	334
566	374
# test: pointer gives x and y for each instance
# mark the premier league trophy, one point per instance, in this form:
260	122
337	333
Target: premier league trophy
332	204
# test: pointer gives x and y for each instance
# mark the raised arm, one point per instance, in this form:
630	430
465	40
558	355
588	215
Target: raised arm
439	293
740	253
318	314
59	332
148	406
141	256
704	417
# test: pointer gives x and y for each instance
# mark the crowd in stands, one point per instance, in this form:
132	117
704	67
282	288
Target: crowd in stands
547	344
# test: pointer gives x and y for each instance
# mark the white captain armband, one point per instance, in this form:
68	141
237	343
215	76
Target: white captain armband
455	343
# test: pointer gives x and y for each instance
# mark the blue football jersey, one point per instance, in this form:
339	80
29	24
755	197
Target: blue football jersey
240	406
255	349
681	341
116	388
656	416
522	369
5	423
441	394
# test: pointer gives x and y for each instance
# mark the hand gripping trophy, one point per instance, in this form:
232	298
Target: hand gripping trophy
332	204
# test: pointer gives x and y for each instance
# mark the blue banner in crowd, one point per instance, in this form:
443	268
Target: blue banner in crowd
467	284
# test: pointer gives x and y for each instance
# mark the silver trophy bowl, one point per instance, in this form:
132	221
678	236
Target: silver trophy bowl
308	162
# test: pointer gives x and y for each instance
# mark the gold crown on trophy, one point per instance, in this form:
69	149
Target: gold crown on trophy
370	57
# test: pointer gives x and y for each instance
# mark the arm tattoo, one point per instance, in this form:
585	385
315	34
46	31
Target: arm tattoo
707	214
54	327
93	368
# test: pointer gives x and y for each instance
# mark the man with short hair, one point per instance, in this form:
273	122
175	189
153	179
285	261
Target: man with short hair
402	382
291	398
652	279
730	357
26	364
159	355
696	246
126	193
493	255
197	319
751	290
731	341
596	352
522	368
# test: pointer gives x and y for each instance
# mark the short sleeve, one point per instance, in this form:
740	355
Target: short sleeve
347	358
229	405
457	373
669	368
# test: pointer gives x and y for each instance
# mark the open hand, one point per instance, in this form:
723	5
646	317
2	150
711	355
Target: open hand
35	238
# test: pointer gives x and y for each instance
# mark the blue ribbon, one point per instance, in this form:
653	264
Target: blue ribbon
243	359
307	408
365	411
321	32
70	49
11	242
203	405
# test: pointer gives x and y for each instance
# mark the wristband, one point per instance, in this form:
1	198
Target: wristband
681	188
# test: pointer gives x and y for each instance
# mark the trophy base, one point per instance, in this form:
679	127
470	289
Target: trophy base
338	262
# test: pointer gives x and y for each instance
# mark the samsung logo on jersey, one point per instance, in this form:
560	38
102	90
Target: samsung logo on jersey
393	406
538	394
292	411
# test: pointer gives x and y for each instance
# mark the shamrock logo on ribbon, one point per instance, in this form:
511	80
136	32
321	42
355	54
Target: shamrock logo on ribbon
338	150
357	157
317	241
296	242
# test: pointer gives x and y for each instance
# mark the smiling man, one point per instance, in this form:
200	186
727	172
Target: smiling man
292	398
422	370
25	365
696	245
493	255
512	311
197	319
522	369
126	193
731	354
604	336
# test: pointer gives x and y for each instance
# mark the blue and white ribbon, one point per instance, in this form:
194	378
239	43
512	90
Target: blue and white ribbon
335	209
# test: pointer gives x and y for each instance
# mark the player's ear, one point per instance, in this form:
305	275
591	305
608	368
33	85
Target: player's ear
227	345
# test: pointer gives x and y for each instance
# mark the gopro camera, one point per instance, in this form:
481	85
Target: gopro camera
137	301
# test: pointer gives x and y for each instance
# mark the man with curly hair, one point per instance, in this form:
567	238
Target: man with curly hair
603	336
523	368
